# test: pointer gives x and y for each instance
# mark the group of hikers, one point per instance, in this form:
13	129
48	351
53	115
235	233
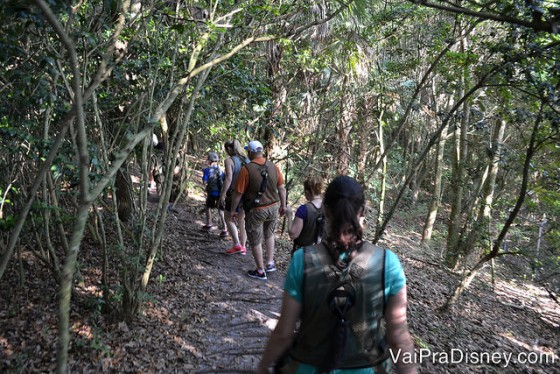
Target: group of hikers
250	196
344	304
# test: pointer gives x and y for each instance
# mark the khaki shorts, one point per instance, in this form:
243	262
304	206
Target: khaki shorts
261	222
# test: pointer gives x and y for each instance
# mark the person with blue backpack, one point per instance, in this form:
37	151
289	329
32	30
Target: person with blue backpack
213	179
236	159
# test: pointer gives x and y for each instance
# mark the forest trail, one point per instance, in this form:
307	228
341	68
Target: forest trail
226	315
220	319
204	315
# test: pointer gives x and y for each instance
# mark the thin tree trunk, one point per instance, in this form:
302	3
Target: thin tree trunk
495	252
365	147
344	128
381	205
457	190
460	151
279	94
540	236
479	229
430	144
436	194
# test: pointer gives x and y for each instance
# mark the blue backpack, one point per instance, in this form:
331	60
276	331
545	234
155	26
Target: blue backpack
215	180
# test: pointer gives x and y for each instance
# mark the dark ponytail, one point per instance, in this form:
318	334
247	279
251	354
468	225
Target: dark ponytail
344	201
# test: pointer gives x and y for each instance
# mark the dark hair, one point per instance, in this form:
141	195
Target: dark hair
344	200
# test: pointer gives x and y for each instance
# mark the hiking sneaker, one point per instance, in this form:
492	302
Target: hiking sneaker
270	267
236	249
255	274
224	234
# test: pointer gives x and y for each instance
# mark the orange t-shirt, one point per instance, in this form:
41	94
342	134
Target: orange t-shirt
243	176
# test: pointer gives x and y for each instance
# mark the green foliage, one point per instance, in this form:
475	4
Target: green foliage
95	304
94	341
373	50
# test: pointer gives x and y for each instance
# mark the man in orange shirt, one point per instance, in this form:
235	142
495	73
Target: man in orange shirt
261	186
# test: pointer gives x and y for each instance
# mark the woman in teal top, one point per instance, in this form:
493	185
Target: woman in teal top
344	244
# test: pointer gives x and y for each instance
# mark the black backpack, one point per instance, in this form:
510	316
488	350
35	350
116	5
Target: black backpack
308	238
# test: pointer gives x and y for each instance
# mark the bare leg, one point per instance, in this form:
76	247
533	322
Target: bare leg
222	220
258	256
232	229
269	244
241	228
208	217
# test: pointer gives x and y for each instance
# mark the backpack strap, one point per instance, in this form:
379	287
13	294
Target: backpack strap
383	279
264	182
319	224
262	188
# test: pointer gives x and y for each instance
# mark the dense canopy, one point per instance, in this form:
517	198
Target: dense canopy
445	110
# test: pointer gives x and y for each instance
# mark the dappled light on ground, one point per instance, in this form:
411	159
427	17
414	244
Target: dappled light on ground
203	314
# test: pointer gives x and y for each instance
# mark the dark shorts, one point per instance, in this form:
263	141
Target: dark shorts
213	202
229	195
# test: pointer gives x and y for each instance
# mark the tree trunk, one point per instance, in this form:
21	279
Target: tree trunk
480	229
430	144
513	214
123	194
459	156
436	195
343	130
381	204
279	94
368	113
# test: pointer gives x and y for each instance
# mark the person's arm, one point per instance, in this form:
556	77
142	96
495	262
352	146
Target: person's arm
205	177
398	335
295	228
281	191
283	335
238	190
282	194
235	200
228	166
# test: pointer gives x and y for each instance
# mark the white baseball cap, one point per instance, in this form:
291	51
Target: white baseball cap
254	146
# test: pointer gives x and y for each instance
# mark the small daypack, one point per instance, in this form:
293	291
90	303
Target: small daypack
215	180
314	227
344	331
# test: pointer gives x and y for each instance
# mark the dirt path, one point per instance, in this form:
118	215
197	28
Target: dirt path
228	315
202	314
509	319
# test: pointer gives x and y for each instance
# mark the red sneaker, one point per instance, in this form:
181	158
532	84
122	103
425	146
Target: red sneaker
236	249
